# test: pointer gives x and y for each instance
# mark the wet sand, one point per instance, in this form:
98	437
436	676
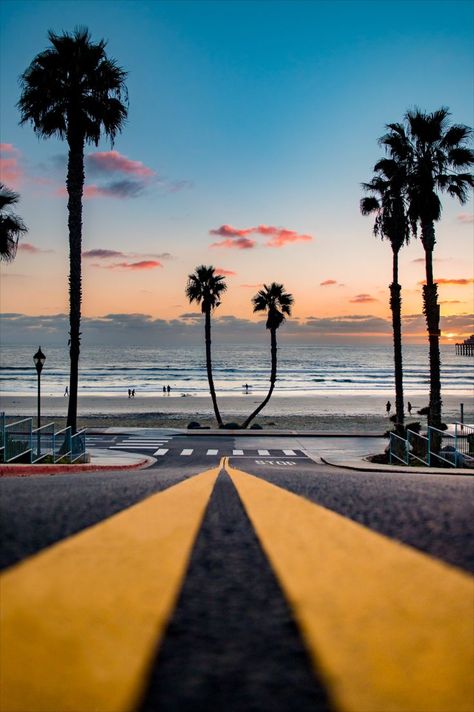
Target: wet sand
332	412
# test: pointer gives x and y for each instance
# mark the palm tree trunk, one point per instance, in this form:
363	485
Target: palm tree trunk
272	380
431	312
207	330
75	185
396	308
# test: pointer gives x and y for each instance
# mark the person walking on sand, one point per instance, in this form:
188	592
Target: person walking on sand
388	407
409	405
164	390
129	393
66	391
133	392
168	389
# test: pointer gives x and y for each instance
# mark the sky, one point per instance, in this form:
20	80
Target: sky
251	127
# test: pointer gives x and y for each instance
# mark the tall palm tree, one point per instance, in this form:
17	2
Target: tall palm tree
386	201
436	156
205	287
11	225
277	303
73	91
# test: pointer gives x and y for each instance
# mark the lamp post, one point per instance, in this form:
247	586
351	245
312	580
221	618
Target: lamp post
39	358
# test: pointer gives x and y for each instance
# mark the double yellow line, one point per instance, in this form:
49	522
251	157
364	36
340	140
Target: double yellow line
388	628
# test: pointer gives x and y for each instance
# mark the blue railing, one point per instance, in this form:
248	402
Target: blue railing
20	441
435	448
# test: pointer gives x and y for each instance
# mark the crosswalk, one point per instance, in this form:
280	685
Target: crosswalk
157	446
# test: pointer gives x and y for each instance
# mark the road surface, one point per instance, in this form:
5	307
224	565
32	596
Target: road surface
247	577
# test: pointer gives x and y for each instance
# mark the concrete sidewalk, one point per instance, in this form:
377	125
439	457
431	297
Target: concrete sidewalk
100	460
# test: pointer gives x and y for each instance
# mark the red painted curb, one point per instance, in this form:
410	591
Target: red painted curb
32	470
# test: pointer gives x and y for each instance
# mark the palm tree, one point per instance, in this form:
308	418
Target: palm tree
386	201
277	303
73	91
435	155
205	287
11	225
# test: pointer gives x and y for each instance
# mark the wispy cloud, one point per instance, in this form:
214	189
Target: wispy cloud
225	272
362	299
107	162
31	249
277	236
238	243
101	253
11	171
460	282
467	218
141	265
327	282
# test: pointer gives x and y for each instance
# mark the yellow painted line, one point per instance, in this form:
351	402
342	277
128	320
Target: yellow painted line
388	628
81	620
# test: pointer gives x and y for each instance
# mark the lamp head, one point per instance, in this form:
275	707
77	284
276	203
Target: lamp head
39	358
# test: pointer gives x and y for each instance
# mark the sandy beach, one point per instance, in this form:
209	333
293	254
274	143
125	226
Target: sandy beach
332	412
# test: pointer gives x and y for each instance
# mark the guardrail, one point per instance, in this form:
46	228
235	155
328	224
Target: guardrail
457	450
19	440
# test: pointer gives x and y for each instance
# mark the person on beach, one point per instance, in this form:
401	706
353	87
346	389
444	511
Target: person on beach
133	392
168	389
129	392
66	391
409	405
246	387
388	407
164	390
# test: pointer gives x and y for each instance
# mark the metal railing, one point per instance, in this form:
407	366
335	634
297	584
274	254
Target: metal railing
18	440
435	448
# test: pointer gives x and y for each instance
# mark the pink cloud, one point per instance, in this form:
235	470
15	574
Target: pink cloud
225	272
239	243
466	218
229	231
362	299
11	172
102	254
461	282
252	286
30	249
327	282
115	162
279	236
143	264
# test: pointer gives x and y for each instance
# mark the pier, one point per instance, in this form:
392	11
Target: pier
466	348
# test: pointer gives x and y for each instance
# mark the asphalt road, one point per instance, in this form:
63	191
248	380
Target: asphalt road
232	643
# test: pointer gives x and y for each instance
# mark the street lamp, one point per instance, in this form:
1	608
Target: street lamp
39	358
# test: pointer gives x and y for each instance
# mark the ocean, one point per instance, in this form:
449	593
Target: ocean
302	370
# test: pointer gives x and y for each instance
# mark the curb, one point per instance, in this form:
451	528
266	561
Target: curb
33	470
387	469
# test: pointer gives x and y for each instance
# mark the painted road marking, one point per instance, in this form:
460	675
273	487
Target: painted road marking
263	452
212	452
389	628
161	451
237	452
289	452
87	613
280	463
127	447
187	452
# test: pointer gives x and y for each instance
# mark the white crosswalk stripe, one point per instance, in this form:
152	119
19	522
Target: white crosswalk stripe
187	451
237	452
289	452
161	451
263	452
212	452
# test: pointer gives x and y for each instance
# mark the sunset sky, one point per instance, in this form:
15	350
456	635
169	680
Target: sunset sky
251	126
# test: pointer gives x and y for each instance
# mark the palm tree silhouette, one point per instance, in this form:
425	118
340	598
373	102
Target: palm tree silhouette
277	303
434	154
73	91
386	201
11	225
205	287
